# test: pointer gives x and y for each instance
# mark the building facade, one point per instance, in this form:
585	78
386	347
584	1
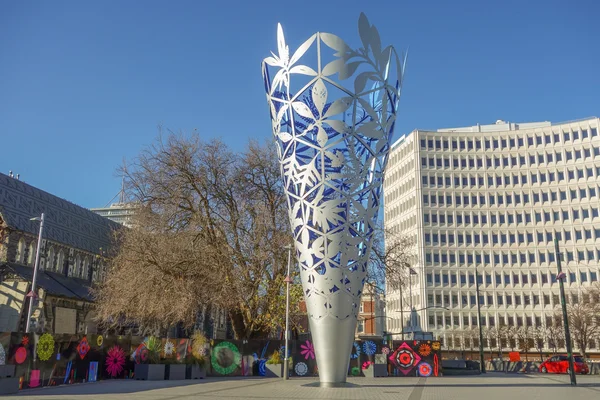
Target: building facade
371	314
121	213
76	244
485	203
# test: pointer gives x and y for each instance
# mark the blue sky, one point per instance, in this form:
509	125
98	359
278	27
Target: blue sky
85	84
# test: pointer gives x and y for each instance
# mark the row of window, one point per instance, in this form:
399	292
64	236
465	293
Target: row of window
521	238
508	143
509	198
572	214
463	300
505	278
508	258
514	161
441	180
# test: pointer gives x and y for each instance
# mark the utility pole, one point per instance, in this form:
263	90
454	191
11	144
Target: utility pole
288	280
560	277
32	294
481	357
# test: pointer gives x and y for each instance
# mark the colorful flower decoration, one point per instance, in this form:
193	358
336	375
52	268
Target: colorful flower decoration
2	355
424	349
169	348
45	347
140	354
21	355
405	358
25	340
225	365
307	350
301	369
385	350
435	346
369	347
83	347
367	364
424	369
99	341
115	361
282	352
355	371
356	352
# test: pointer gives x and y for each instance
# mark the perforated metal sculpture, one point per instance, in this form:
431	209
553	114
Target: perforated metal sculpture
333	139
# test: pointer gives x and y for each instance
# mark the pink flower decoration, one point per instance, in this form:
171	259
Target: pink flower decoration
115	360
385	350
307	350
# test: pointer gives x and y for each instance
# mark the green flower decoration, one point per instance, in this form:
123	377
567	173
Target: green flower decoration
45	347
225	353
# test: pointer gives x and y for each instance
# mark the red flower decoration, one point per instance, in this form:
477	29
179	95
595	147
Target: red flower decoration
20	355
83	347
25	340
115	360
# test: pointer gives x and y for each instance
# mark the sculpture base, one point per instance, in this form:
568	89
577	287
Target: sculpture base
332	385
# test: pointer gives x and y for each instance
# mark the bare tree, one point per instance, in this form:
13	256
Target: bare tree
524	335
539	334
583	324
392	256
212	231
555	332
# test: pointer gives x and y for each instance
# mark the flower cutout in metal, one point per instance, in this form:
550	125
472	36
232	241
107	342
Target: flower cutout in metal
307	350
83	347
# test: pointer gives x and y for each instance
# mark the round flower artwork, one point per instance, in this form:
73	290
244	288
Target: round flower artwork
115	361
226	358
45	347
83	347
424	349
435	346
21	355
424	369
307	350
99	341
169	348
301	369
385	350
25	340
369	347
356	353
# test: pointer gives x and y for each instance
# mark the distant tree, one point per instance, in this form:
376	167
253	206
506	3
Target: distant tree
583	324
525	336
539	334
212	227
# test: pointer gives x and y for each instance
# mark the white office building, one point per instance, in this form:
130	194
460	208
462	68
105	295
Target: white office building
493	198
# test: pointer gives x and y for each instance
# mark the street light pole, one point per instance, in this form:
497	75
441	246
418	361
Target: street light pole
287	280
32	295
481	358
563	303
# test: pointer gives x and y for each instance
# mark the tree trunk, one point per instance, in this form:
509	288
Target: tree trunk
238	325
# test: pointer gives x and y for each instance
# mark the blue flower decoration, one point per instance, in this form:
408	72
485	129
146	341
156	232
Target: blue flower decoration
356	353
369	347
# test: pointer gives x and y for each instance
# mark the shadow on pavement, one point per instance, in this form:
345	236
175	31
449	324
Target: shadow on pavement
127	386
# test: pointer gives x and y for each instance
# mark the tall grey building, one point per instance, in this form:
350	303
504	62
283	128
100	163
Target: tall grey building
493	198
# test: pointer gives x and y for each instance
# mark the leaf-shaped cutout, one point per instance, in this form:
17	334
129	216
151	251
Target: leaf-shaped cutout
375	42
333	67
337	125
322	137
337	158
364	30
348	70
304	70
339	106
367	107
319	95
361	81
284	136
278	79
334	42
302	49
281	112
271	61
281	47
370	129
302	109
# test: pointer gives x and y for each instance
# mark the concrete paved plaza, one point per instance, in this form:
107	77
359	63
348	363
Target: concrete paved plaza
493	386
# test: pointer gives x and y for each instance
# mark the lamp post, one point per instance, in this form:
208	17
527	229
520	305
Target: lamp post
287	280
481	358
32	295
561	277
